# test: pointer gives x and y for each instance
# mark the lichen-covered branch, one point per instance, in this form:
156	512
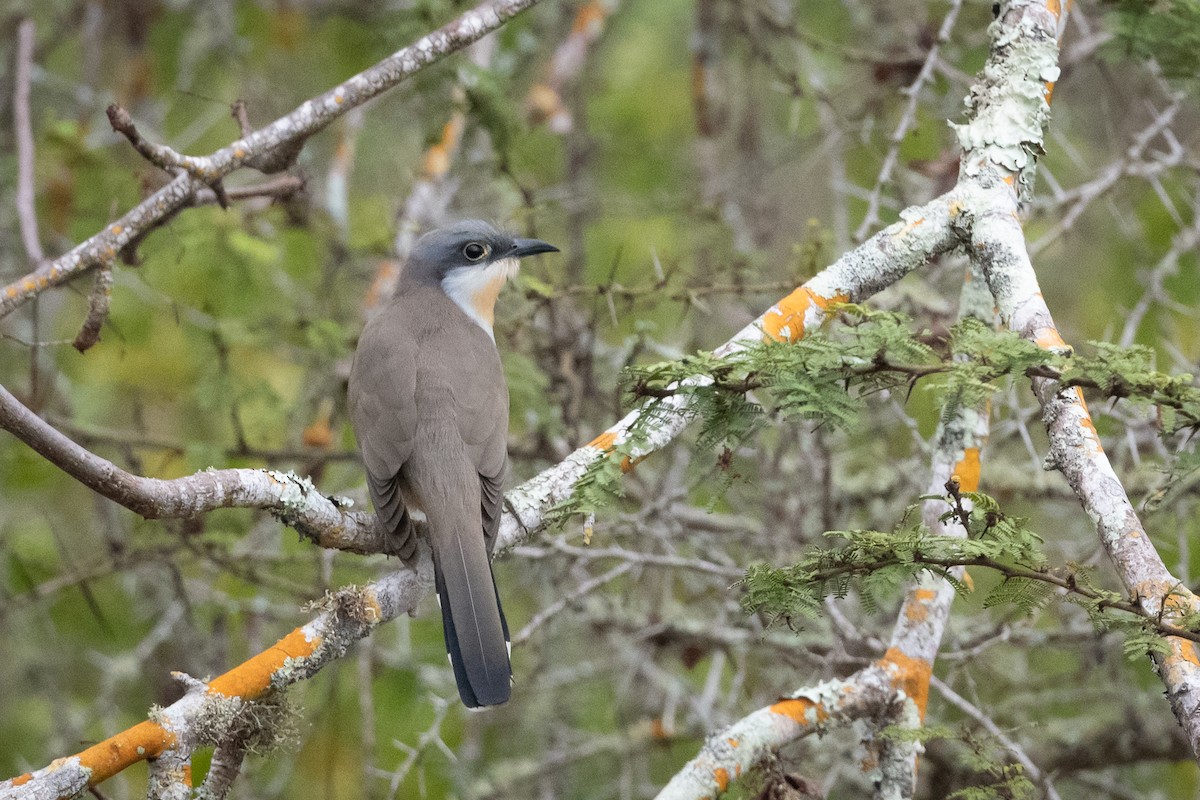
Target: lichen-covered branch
269	149
1077	453
922	233
1009	108
207	710
292	498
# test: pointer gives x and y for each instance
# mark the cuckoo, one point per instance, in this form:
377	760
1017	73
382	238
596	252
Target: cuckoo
429	405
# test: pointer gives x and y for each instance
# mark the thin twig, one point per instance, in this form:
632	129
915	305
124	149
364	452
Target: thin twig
26	201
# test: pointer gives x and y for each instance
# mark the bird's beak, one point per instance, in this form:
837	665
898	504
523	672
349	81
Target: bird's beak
530	247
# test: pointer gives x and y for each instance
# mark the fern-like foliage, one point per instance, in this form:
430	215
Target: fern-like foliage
826	376
876	564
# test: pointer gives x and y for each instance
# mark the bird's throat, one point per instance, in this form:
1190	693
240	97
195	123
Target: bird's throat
475	290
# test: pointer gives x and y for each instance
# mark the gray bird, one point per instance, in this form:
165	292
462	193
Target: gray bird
429	405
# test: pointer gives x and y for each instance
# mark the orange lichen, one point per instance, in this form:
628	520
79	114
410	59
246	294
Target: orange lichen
117	229
187	774
907	228
1086	423
915	609
798	709
658	730
1184	649
252	678
589	19
1048	338
439	155
1082	402
604	441
967	470
790	312
543	102
386	273
911	675
144	740
734	743
21	780
721	775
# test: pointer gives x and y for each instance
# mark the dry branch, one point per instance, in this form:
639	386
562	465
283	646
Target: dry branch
263	149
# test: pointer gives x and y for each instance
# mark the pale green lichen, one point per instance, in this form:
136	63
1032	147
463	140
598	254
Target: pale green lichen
1008	109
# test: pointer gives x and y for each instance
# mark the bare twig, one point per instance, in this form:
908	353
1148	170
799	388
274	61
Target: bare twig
98	303
23	124
871	218
260	149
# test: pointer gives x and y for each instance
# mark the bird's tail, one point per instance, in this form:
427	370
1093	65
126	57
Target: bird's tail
447	487
477	646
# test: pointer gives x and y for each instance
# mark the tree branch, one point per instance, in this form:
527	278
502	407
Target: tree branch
23	128
261	149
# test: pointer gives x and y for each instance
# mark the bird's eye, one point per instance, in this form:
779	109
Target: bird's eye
474	251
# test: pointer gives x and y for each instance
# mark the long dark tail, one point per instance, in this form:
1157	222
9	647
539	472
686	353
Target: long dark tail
473	623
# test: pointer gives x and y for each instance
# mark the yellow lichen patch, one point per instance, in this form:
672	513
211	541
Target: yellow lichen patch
804	711
21	780
1055	8
916	609
968	581
604	441
117	230
788	314
337	98
28	285
187	774
1010	179
967	470
956	208
239	153
734	743
252	678
372	611
11	291
1049	92
144	740
721	776
912	675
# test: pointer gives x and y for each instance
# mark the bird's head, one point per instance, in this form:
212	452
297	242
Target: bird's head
470	261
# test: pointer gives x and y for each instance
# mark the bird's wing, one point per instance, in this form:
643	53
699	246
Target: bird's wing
483	425
383	410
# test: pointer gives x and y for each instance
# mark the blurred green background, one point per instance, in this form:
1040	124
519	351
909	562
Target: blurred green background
718	153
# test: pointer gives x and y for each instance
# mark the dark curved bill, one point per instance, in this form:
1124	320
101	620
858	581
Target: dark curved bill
530	247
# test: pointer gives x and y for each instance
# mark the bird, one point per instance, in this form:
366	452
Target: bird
429	405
